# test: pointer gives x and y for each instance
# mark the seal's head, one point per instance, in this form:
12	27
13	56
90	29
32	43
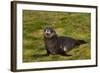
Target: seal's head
49	32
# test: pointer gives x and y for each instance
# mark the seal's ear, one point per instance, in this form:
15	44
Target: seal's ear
54	32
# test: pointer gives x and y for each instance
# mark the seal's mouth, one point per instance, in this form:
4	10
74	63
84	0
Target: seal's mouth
47	34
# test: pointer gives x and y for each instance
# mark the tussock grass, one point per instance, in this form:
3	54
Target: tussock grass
75	25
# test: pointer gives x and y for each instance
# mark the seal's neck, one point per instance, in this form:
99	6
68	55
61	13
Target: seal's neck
52	38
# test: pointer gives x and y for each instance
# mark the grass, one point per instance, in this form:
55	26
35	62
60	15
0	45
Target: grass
75	25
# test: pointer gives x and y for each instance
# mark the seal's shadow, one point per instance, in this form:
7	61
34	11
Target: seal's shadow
39	55
45	55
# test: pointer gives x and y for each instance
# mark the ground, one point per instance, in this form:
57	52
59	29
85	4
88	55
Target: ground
75	25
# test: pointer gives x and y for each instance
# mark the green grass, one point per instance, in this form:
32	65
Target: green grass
75	25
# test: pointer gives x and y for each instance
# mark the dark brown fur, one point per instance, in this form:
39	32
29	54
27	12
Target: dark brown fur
58	45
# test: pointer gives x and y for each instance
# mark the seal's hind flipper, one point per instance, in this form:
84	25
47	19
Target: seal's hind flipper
79	42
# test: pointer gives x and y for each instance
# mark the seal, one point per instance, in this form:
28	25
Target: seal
55	44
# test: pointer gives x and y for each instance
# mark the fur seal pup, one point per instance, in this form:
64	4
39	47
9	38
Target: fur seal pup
55	44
